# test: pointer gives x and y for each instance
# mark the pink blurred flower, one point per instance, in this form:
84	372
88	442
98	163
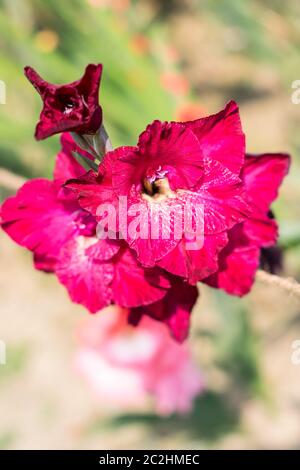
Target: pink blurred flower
125	365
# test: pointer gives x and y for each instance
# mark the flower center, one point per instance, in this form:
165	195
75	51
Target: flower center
85	224
65	100
68	108
157	186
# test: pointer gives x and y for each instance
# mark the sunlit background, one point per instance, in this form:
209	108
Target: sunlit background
172	59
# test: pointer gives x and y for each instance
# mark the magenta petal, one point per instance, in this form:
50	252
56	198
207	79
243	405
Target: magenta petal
35	219
158	277
174	310
44	262
86	279
92	191
103	250
150	229
238	274
261	230
222	206
239	260
175	262
221	201
262	175
37	81
66	167
179	304
173	147
195	264
221	137
126	167
204	262
131	286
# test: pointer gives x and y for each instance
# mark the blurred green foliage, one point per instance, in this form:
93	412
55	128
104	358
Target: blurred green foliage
211	419
16	360
237	346
6	440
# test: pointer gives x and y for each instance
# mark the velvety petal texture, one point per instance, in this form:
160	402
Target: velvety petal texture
45	217
174	310
134	286
87	280
37	220
71	107
239	260
178	170
221	137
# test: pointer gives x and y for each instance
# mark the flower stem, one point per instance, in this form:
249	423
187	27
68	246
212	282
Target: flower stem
84	144
290	285
87	163
97	144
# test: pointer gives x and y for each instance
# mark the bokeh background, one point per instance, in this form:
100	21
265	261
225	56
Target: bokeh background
171	59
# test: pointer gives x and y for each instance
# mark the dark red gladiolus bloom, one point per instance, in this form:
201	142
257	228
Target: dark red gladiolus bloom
45	218
175	168
147	263
239	260
71	107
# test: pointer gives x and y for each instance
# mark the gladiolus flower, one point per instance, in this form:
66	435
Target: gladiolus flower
196	208
71	107
239	260
47	219
176	168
